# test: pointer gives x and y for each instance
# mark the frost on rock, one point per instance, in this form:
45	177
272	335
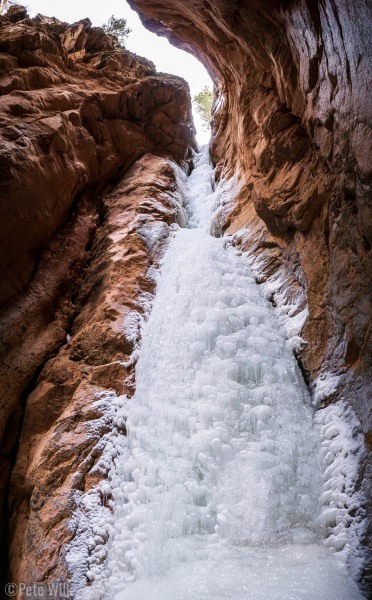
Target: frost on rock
324	386
291	314
343	450
153	232
92	522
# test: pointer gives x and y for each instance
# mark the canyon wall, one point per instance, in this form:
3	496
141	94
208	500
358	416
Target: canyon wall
92	142
292	122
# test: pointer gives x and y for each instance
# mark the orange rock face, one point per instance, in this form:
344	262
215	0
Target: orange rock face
76	116
292	121
65	415
68	125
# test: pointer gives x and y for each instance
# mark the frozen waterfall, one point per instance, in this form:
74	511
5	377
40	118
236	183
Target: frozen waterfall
217	486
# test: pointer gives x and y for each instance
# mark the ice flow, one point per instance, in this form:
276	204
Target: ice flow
217	487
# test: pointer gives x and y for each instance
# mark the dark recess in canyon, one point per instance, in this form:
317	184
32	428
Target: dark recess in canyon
89	137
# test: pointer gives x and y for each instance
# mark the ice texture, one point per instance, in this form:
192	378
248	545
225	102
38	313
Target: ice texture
217	492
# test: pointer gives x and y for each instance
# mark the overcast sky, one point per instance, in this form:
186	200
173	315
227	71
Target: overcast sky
166	57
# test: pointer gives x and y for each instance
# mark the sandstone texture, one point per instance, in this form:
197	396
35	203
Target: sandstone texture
293	122
65	416
90	139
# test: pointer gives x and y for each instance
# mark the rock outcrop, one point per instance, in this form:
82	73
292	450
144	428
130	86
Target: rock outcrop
292	124
76	116
292	121
66	414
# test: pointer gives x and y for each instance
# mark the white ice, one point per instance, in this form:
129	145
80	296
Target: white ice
217	487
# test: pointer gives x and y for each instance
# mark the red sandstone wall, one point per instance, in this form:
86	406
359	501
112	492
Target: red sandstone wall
76	116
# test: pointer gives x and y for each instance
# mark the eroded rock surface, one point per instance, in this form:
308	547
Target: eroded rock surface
292	120
76	115
65	417
68	124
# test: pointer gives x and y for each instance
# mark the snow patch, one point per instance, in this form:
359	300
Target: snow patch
343	450
325	385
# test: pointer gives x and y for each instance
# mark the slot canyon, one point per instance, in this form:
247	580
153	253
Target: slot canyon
100	176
